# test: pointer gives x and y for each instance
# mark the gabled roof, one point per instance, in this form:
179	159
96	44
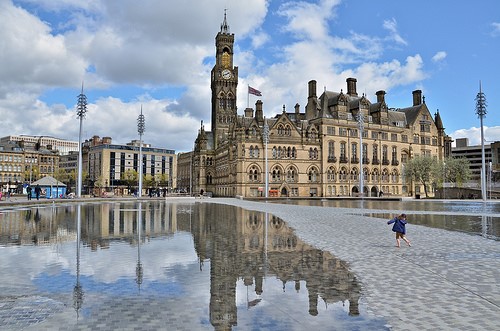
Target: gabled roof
411	113
48	181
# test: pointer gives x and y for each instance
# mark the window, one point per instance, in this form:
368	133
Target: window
253	174
291	175
331	148
330	174
313	175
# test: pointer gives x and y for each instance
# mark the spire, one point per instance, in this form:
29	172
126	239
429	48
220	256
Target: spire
438	121
224	27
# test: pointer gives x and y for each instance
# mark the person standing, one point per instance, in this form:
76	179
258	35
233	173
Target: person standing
28	190
400	228
37	191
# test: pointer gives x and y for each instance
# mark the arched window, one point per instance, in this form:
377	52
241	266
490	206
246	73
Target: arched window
256	151
276	174
291	175
313	175
253	174
330	174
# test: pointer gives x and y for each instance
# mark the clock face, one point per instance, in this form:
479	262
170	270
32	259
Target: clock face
226	74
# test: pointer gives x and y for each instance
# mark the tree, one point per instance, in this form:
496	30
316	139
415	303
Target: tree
457	171
130	177
422	169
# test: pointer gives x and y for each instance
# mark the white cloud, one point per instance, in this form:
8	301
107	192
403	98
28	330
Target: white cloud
392	26
439	56
496	29
491	134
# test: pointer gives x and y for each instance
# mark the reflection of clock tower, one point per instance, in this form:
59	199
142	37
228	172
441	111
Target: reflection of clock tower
224	82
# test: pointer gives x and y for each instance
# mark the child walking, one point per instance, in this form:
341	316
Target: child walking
399	228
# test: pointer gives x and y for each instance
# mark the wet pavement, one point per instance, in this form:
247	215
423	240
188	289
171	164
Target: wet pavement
445	281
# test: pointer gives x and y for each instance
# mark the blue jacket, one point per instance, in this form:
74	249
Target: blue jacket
399	225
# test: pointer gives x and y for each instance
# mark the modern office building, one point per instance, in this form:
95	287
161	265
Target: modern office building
116	167
63	146
317	150
474	155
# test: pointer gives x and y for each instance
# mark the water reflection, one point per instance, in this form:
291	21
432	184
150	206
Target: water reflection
78	290
259	272
474	217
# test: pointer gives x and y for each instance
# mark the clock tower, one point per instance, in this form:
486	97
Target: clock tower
224	81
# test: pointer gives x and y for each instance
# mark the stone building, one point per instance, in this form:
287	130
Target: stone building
320	150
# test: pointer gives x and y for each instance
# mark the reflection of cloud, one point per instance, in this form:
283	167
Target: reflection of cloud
158	257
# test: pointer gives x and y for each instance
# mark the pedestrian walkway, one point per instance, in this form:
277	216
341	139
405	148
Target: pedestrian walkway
445	281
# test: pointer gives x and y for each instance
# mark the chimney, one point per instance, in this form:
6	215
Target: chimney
259	115
417	97
297	109
380	96
249	112
312	88
351	87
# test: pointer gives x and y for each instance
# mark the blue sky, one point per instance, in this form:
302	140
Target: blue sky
158	54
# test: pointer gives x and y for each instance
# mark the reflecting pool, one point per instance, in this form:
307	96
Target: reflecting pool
165	266
473	217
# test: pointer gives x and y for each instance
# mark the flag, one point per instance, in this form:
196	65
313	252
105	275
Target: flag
253	91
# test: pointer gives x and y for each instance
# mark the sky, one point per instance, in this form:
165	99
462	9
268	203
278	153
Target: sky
156	55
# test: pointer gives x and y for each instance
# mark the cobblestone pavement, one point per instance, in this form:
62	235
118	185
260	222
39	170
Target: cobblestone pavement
446	281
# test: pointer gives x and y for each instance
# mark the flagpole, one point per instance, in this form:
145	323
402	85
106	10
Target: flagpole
248	96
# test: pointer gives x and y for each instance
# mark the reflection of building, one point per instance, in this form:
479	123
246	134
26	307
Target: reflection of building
40	226
313	151
242	250
235	242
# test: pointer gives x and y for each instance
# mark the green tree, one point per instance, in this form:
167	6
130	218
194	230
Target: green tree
424	170
457	171
130	177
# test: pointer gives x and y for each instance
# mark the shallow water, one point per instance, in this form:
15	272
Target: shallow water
473	217
176	266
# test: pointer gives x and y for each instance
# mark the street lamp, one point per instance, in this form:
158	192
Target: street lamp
481	112
266	141
361	127
380	163
81	109
141	126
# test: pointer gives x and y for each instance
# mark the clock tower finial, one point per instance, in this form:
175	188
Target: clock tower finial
224	27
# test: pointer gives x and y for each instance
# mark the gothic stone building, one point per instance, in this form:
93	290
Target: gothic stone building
315	152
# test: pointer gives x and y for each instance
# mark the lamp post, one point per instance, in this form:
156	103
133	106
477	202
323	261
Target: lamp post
266	141
380	163
141	126
81	109
361	127
481	112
